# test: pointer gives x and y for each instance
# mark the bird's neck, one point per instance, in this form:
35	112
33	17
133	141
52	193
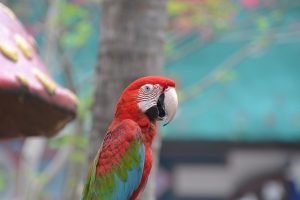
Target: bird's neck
149	129
130	110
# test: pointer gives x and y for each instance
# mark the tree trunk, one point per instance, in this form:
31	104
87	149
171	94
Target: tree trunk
132	45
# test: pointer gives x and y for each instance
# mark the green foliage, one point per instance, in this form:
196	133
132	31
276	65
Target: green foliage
196	14
263	23
71	11
76	20
78	156
85	103
227	76
80	141
2	180
176	7
40	177
77	36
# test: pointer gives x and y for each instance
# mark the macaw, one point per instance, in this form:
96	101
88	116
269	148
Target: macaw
122	165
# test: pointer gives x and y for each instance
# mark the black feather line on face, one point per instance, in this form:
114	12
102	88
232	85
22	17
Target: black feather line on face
161	106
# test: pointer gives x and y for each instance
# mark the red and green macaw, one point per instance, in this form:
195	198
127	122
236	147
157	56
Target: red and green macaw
123	163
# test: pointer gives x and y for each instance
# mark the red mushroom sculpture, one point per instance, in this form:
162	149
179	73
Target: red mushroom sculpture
31	103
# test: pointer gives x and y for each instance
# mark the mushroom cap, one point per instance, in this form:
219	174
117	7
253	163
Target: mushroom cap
31	103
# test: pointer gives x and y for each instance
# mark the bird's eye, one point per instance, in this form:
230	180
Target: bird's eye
147	88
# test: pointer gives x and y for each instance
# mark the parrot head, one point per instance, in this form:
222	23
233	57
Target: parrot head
151	96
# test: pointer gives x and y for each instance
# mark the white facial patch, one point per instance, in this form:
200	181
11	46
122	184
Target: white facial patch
148	96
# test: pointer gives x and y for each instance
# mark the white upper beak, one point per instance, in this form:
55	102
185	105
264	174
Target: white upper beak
170	103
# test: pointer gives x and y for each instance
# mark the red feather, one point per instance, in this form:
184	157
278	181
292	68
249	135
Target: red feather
115	146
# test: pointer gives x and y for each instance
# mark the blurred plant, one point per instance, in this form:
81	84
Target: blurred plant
77	29
69	139
74	24
2	180
196	23
206	16
66	30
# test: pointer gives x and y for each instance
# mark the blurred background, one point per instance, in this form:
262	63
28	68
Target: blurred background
237	67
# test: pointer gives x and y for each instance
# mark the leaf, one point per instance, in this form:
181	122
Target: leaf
70	12
78	36
227	76
84	106
80	141
78	156
41	178
176	7
2	180
169	49
263	23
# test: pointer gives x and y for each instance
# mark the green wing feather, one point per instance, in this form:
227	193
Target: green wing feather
90	178
123	177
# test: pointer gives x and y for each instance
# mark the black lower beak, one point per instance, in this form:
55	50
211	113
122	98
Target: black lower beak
158	111
161	106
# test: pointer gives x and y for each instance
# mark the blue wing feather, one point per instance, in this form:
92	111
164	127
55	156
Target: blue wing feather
124	190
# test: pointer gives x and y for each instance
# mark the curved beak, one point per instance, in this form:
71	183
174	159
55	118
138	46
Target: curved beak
170	104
